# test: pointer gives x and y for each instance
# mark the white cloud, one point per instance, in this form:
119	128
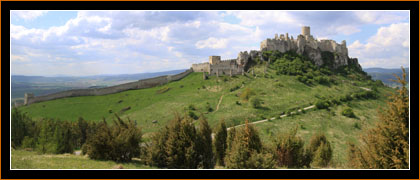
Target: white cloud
28	15
380	17
213	43
387	48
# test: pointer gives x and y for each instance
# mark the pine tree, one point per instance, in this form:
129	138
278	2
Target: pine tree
386	145
204	144
244	151
220	142
320	150
290	151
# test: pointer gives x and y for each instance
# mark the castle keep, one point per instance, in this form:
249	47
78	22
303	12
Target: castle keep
304	44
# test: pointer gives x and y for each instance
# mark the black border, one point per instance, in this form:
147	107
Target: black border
6	173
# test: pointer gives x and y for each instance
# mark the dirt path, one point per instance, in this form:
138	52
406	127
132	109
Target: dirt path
264	120
218	104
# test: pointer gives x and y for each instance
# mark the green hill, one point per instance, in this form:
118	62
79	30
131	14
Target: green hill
280	94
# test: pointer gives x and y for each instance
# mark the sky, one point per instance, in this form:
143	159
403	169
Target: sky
81	43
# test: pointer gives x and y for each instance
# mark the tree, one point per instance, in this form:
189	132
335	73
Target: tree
120	142
21	126
204	144
220	142
290	151
320	150
246	150
386	145
181	144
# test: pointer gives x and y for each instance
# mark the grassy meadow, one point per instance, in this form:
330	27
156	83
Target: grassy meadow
279	93
22	159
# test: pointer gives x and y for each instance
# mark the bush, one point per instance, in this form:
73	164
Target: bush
192	115
191	107
208	107
234	88
256	102
179	145
241	148
322	104
348	112
246	94
120	142
290	151
28	142
320	150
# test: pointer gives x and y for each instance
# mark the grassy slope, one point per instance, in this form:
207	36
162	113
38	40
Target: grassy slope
146	106
31	160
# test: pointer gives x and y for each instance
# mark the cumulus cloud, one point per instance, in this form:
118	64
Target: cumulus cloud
389	47
28	15
212	42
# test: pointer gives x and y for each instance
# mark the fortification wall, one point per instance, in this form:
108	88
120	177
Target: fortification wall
202	67
141	84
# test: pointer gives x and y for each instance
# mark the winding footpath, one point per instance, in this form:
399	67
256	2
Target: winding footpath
218	104
264	120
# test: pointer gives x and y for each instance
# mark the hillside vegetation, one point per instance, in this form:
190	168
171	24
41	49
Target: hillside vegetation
284	86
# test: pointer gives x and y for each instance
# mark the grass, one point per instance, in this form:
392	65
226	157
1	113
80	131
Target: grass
278	93
22	159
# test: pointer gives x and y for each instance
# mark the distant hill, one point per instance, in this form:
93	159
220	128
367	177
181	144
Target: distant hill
41	85
385	75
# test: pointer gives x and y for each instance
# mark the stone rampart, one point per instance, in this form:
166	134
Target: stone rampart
141	84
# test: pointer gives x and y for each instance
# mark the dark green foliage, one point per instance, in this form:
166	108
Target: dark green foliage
290	151
322	104
179	145
256	102
28	142
21	126
191	107
386	146
234	88
246	94
204	145
192	115
62	138
208	107
119	142
220	142
348	112
320	150
243	149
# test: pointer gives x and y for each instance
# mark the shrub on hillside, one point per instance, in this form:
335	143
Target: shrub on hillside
322	104
256	102
179	145
290	151
320	150
118	142
246	94
348	112
245	150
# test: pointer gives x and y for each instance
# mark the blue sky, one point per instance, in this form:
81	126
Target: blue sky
80	43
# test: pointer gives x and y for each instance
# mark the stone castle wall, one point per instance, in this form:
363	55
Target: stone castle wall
141	84
202	67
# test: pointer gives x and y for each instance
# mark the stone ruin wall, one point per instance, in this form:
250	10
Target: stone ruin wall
141	84
225	67
202	67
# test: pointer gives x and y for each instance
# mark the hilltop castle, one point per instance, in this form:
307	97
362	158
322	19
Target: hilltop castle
304	44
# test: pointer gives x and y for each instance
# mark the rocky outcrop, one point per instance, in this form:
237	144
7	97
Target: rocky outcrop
243	58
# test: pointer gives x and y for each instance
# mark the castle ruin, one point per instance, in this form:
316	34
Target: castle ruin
304	44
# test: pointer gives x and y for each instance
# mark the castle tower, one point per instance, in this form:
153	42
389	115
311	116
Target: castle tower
27	98
214	59
306	31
